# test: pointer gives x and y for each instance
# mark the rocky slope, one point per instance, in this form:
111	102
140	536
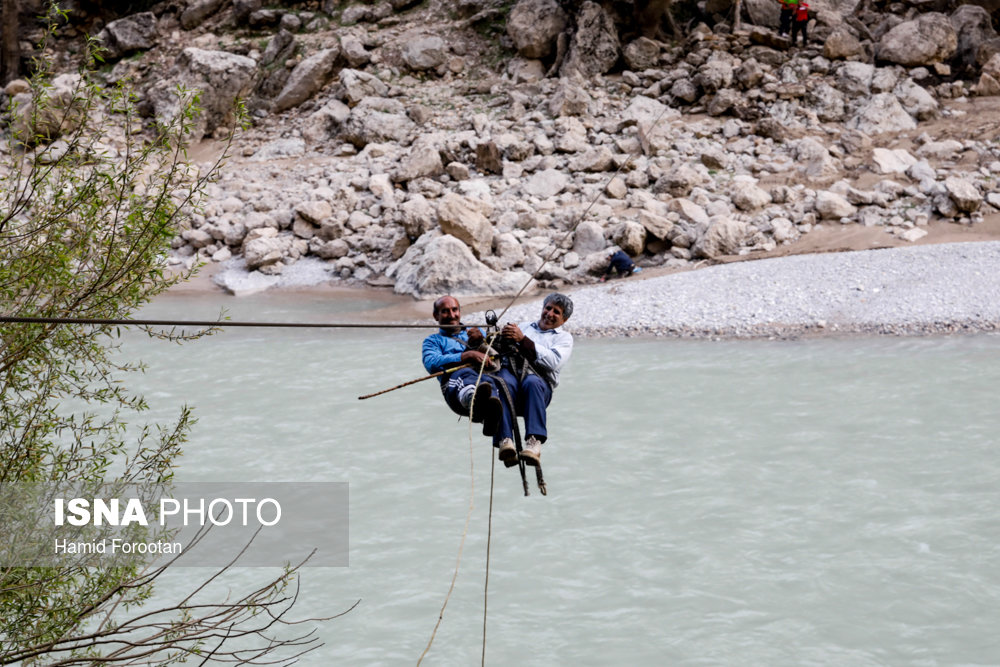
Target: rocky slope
425	149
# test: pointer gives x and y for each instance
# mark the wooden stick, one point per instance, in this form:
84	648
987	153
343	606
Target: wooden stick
407	384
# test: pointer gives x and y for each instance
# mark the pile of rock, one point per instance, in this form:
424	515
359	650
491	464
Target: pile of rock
384	150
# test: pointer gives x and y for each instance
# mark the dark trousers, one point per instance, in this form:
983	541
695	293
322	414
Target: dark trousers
800	26
785	20
531	398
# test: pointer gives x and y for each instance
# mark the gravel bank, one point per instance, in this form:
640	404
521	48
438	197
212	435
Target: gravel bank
899	291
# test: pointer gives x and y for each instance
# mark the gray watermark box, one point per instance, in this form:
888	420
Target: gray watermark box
242	524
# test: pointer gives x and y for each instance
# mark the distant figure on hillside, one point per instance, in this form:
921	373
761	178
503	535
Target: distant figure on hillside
787	13
801	23
621	265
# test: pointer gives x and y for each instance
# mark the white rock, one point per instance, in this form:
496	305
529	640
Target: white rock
465	219
831	206
965	195
892	161
616	188
882	113
688	211
314	211
747	196
913	234
652	118
424	52
942	150
437	265
660	226
724	236
308	77
547	183
588	238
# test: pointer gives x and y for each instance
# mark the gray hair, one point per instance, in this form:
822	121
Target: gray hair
562	301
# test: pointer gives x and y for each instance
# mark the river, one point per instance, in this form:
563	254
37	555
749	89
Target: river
710	502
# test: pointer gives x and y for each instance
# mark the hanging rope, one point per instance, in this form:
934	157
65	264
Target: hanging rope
468	514
541	482
489	535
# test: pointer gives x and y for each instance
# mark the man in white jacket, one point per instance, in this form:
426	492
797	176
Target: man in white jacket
544	348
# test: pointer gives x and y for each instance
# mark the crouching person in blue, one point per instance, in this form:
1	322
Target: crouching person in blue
452	346
542	349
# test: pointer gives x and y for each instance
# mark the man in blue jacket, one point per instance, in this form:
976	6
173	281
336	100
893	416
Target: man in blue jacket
453	345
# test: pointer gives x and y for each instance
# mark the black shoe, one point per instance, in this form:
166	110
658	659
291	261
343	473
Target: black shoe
492	415
480	403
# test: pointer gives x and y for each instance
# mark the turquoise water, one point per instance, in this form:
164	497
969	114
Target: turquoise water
825	502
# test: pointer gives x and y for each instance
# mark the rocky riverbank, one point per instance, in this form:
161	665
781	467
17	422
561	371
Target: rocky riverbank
408	147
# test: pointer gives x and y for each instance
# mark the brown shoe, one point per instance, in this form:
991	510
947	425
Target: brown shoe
508	452
531	453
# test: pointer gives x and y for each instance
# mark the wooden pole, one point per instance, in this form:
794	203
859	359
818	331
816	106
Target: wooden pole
407	384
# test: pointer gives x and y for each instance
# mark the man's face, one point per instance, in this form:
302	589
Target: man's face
449	313
552	316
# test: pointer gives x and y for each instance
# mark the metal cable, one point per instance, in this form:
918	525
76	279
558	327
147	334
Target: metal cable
8	319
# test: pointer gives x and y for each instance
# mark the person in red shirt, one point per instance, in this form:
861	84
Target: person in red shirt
800	23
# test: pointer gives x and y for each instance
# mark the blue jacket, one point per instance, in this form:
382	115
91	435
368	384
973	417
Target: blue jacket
442	350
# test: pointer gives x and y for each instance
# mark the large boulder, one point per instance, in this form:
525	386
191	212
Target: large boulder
595	48
465	219
651	118
915	99
715	74
842	45
964	193
377	119
220	77
265	248
831	206
128	35
881	113
747	196
358	85
308	78
546	183
588	238
630	236
424	161
724	236
62	114
437	265
422	52
641	54
534	26
855	78
974	27
198	11
569	99
829	103
927	39
417	216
